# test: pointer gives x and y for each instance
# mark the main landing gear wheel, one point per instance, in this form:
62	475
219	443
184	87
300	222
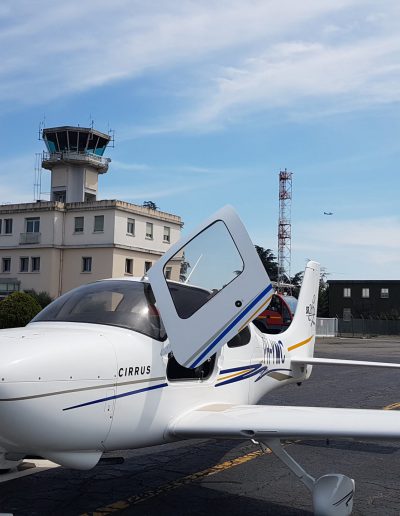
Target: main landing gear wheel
332	494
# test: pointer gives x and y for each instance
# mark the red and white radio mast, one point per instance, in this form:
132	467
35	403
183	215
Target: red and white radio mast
284	228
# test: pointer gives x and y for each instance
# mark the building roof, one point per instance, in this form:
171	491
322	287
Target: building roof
363	282
40	206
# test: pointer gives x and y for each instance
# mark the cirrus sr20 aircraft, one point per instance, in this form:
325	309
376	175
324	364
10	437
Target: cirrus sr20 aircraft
100	370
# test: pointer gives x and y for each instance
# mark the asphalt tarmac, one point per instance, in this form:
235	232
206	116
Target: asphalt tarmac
208	477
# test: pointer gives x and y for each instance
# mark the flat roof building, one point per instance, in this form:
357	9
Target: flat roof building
75	238
364	299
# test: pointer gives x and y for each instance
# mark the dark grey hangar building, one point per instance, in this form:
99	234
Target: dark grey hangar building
357	299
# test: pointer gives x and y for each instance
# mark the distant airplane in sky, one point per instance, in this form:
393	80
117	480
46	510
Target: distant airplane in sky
328	213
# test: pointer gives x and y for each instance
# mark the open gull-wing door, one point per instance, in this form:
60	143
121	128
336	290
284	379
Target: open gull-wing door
216	285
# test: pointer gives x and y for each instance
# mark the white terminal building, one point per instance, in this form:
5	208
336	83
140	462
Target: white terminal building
74	238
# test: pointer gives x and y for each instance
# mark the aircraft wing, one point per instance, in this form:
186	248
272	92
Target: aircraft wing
268	421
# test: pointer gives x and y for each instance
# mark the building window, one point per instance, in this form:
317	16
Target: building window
24	264
98	223
147	266
365	293
149	230
168	272
346	314
59	195
167	234
129	266
384	293
32	225
86	264
6	265
8	226
35	263
79	224
347	292
130	227
1	221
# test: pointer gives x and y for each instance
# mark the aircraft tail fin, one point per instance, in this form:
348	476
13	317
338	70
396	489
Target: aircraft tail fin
299	338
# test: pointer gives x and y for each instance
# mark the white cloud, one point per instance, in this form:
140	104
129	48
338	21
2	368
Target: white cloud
78	45
235	57
17	179
362	248
131	167
314	76
156	191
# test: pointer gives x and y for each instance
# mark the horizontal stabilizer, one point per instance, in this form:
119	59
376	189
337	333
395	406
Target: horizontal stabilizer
334	361
268	421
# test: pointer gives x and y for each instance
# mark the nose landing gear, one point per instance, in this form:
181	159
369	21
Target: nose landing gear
332	494
9	461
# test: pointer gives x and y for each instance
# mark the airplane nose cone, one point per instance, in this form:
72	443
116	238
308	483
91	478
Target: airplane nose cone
40	353
45	368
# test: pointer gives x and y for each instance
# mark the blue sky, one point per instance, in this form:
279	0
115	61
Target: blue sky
210	99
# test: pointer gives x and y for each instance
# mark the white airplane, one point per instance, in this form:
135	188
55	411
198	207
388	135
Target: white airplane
95	371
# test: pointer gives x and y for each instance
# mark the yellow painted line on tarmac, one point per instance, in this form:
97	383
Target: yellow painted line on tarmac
392	406
121	505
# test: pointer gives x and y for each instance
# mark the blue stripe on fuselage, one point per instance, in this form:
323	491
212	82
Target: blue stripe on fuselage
130	393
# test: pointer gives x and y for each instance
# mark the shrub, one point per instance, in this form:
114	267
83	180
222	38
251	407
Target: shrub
17	310
43	298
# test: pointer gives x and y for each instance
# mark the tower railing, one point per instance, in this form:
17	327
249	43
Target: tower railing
75	155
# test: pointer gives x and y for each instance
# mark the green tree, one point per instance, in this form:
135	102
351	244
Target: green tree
43	298
297	279
151	205
268	259
17	310
323	295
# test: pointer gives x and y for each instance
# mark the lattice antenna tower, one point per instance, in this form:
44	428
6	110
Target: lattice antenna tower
284	228
37	183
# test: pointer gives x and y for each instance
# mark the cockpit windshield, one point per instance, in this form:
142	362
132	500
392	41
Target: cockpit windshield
127	304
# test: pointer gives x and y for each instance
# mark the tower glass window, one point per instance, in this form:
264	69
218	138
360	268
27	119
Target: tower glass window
79	224
32	225
99	223
365	293
347	292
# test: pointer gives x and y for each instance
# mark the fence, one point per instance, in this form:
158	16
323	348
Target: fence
368	327
326	327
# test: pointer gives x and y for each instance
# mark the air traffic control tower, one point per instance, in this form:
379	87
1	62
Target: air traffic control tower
75	158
